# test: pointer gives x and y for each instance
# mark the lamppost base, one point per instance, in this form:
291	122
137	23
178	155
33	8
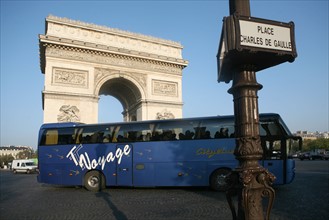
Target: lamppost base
251	186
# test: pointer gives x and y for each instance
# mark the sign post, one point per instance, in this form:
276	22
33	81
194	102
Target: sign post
248	45
253	41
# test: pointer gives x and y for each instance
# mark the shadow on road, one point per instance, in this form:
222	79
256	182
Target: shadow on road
116	212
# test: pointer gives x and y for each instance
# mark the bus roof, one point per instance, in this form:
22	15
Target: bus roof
225	117
60	125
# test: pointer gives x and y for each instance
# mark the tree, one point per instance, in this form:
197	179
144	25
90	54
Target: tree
27	154
5	159
23	154
320	143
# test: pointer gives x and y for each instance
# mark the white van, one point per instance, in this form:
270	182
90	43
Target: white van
24	166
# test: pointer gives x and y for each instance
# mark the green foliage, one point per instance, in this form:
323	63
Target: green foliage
5	159
27	154
321	143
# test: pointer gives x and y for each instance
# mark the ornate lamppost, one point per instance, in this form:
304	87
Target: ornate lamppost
248	45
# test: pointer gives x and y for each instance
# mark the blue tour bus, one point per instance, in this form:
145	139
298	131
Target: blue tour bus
175	152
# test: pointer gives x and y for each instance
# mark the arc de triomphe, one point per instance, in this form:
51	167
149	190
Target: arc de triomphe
83	61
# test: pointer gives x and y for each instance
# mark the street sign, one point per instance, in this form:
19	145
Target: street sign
255	42
262	35
266	35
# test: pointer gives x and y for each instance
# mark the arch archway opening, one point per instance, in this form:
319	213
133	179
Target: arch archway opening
109	109
119	92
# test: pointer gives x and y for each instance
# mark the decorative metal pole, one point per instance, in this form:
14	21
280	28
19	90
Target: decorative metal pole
248	45
251	181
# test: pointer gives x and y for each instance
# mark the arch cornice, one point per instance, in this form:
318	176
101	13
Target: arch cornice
76	28
89	52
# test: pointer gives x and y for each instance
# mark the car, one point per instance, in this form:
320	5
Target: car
313	156
305	156
292	156
326	155
316	156
25	166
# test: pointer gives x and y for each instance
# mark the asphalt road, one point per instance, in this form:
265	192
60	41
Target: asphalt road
22	197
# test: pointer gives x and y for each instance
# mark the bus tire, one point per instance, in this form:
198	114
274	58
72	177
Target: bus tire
218	180
94	181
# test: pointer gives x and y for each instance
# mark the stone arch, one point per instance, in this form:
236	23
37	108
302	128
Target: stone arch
103	78
127	90
82	61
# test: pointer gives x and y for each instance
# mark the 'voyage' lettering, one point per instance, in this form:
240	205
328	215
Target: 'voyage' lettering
83	160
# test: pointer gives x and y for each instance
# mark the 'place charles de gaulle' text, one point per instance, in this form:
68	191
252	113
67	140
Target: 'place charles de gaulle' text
263	41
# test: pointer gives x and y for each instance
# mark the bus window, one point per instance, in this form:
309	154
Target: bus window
271	136
66	136
107	134
273	150
60	136
270	128
93	134
293	145
187	130
50	137
140	132
133	133
216	129
177	130
78	135
121	134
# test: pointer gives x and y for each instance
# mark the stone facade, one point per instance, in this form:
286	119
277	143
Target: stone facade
15	151
82	61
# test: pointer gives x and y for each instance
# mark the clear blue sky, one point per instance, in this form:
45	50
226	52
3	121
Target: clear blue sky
298	91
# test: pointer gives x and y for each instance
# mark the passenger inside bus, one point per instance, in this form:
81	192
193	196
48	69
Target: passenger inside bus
223	133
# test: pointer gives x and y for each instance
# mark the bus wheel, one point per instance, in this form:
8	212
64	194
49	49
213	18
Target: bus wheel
94	181
218	180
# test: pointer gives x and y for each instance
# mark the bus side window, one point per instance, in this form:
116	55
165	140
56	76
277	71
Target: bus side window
106	134
218	129
273	149
66	136
173	130
78	139
222	133
270	128
202	133
271	134
121	134
140	132
91	135
94	138
51	137
186	130
107	138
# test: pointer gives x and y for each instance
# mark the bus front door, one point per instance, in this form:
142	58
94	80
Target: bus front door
273	160
276	168
124	167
